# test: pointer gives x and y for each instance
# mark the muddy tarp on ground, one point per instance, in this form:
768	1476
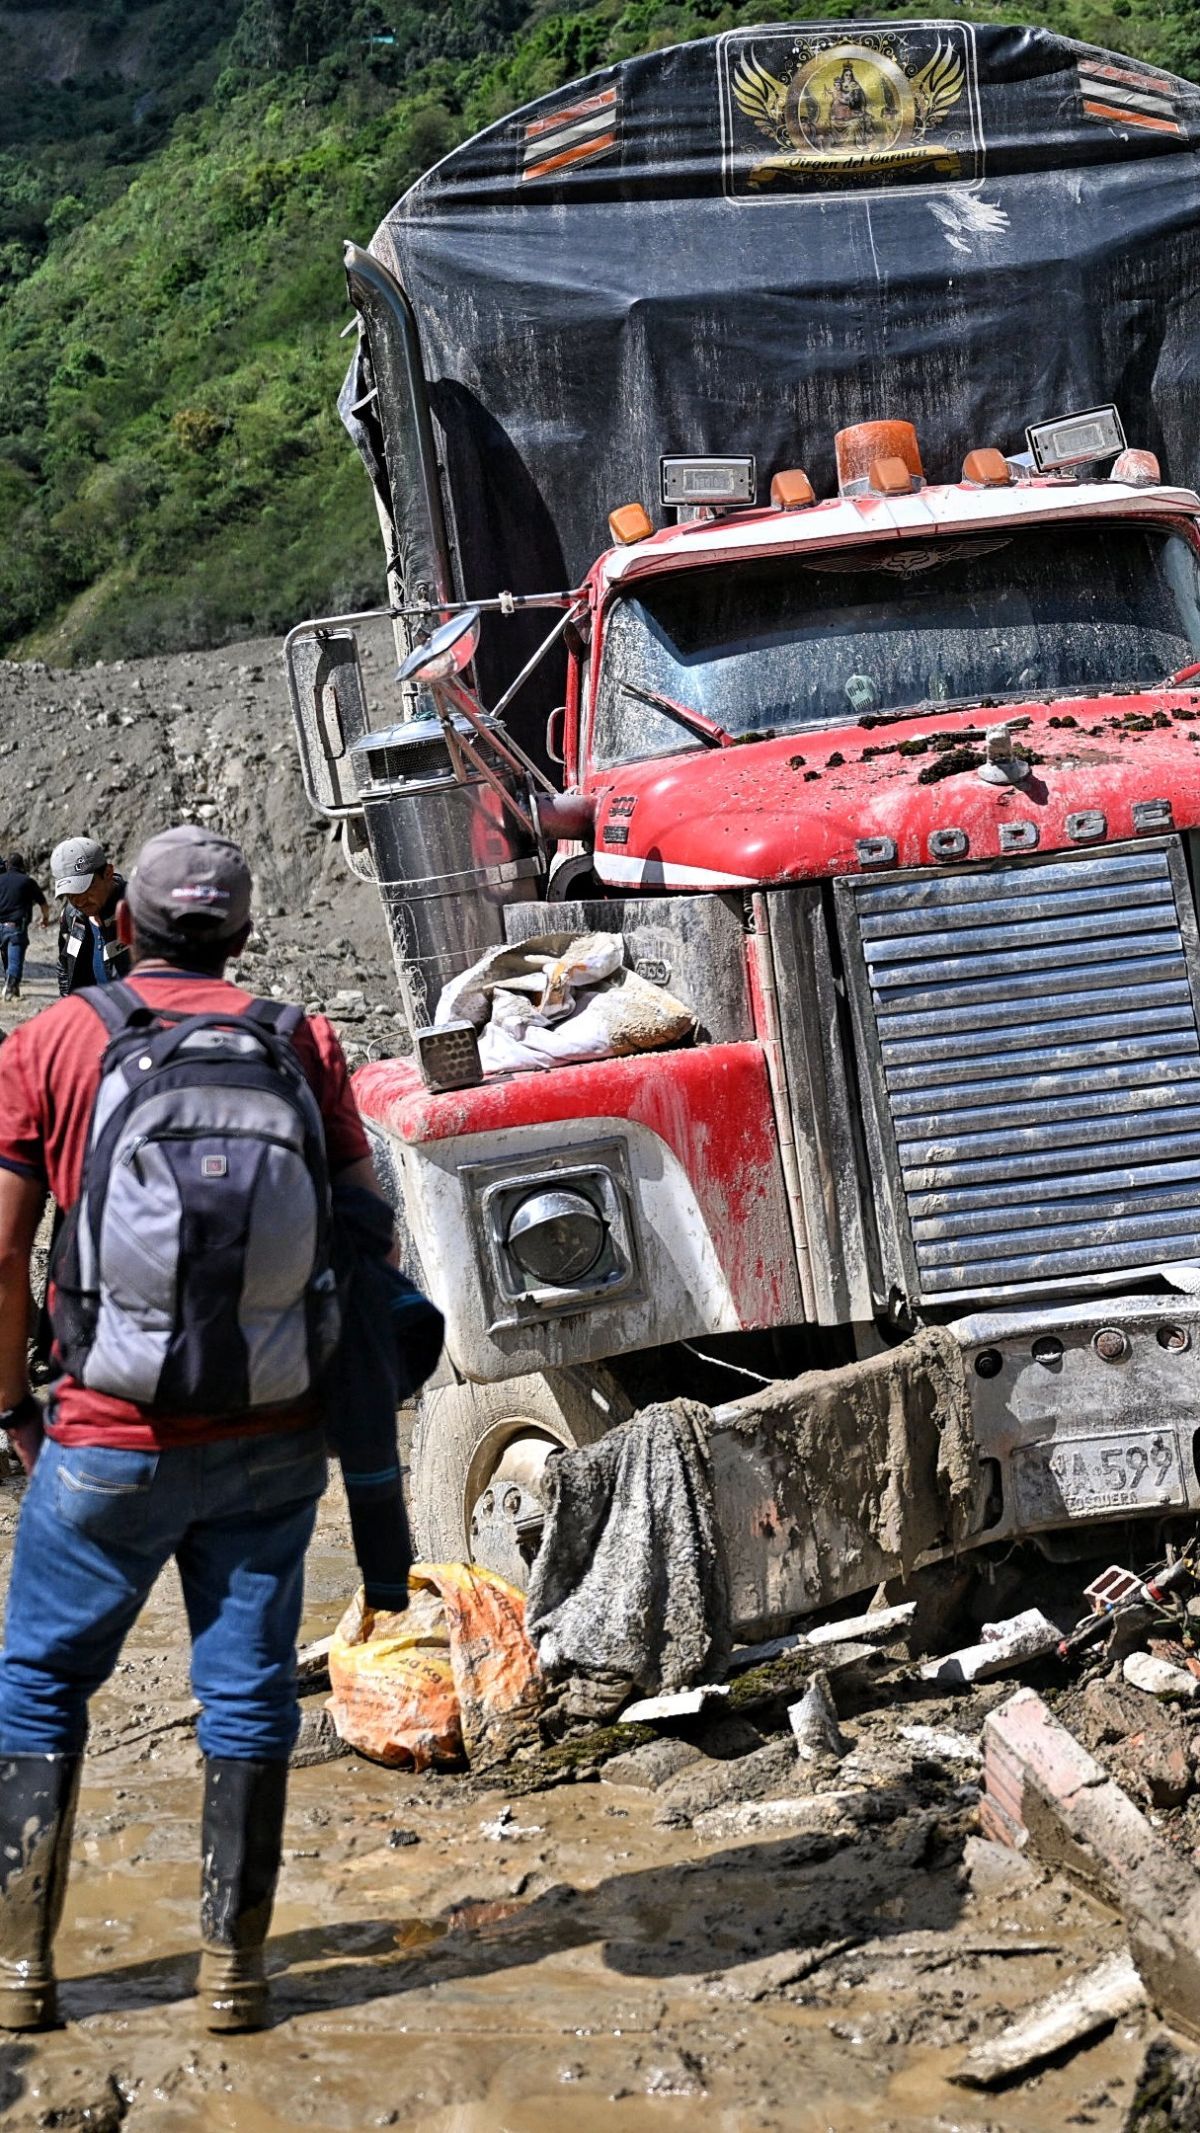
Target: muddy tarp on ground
629	1588
745	243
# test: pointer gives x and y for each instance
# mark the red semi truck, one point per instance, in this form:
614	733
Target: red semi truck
894	781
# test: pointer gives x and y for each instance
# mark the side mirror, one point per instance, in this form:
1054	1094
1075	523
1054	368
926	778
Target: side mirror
444	655
329	710
556	728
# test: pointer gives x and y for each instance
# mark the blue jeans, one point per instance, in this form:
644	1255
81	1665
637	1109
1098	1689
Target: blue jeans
97	1526
13	942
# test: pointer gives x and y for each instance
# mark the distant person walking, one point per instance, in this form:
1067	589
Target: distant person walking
20	897
89	952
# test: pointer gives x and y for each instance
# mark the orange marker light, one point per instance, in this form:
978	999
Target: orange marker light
987	469
1137	469
629	523
890	477
791	490
870	443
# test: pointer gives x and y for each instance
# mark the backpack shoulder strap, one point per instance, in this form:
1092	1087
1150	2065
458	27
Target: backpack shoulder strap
276	1015
117	1005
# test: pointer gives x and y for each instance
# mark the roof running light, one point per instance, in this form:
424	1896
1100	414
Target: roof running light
629	523
870	444
1138	470
791	490
987	469
890	477
1074	440
729	481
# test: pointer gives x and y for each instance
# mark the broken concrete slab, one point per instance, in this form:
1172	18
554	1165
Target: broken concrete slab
990	1869
1044	1789
665	1710
942	1745
318	1740
1068	2017
651	1765
751	1655
312	1663
1157	1677
799	1813
865	1659
878	1626
1002	1645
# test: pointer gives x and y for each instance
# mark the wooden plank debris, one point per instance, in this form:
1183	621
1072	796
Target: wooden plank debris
1068	2017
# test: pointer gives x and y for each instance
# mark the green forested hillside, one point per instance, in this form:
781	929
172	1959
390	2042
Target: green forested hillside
174	187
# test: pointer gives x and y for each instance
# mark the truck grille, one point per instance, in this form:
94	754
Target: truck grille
1032	1048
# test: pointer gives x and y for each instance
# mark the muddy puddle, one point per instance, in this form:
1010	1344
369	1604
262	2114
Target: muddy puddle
588	1968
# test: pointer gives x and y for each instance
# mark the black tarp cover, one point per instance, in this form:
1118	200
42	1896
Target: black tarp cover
745	243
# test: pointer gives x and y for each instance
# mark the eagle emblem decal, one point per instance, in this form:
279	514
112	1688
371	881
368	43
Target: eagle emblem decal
866	111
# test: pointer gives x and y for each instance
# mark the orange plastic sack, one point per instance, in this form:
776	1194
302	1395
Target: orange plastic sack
454	1676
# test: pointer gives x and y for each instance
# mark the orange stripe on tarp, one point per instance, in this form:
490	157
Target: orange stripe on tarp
567	117
1123	116
578	154
1154	84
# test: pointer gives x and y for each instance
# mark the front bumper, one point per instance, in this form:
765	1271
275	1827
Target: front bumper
1000	1424
1073	1435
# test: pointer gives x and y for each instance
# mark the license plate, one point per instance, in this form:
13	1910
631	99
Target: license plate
1084	1477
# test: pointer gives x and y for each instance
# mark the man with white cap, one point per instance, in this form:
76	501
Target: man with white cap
185	1421
89	952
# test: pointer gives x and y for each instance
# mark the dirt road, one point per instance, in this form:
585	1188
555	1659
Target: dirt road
598	1964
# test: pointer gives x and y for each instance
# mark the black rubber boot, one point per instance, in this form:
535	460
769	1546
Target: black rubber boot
241	1838
37	1815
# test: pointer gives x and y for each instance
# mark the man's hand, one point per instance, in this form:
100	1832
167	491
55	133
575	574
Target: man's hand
25	1429
21	1201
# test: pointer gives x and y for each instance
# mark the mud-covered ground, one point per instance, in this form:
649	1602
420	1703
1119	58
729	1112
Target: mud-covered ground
617	1955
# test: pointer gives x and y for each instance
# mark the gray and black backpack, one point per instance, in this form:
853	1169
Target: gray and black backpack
193	1274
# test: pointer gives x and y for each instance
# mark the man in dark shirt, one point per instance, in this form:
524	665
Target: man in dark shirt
89	952
19	897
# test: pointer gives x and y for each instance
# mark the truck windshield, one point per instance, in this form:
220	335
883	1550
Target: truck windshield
808	640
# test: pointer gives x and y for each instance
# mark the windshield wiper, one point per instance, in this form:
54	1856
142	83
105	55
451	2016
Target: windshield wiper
698	722
1187	673
991	702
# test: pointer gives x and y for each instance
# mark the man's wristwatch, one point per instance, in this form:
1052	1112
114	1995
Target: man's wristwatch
27	1409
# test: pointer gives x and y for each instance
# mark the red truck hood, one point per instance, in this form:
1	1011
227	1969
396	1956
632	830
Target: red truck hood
802	807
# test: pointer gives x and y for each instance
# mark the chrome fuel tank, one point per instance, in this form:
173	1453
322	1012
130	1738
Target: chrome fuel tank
449	855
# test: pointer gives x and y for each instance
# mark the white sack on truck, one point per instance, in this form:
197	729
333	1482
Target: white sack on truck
557	999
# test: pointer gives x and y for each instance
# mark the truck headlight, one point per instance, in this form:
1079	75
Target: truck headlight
557	1237
553	1230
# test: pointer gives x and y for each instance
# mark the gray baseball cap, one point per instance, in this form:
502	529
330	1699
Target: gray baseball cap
73	864
190	874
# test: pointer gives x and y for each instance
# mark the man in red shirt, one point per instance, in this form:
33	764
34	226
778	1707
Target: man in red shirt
117	1489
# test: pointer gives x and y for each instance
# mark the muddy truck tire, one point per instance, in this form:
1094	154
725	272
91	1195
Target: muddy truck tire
478	1455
